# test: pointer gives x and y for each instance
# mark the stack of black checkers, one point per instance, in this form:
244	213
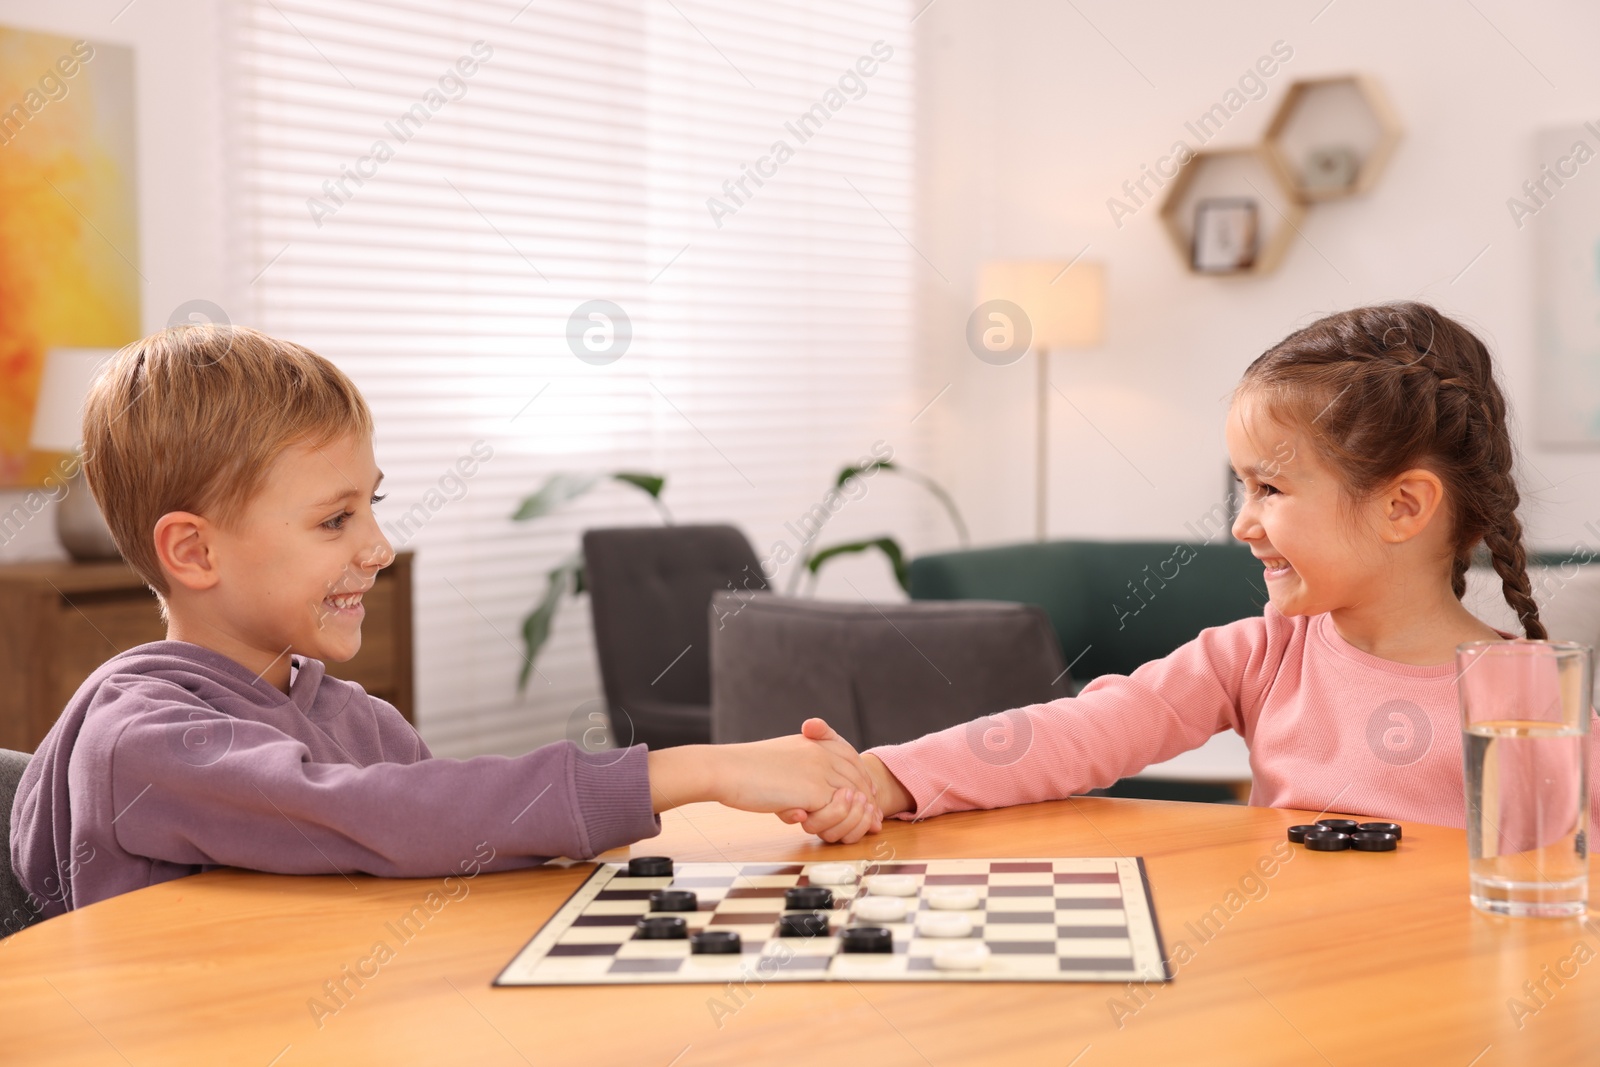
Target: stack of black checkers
807	914
1339	835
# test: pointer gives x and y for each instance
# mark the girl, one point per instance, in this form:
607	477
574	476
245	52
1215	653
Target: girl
1374	455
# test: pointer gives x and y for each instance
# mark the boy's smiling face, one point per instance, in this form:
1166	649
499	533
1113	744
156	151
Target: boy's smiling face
287	573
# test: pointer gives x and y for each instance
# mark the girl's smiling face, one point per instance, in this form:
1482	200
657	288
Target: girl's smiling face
1291	517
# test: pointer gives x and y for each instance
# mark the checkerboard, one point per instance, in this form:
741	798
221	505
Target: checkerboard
1042	919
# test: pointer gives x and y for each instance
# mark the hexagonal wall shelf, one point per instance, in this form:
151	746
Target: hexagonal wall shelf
1230	174
1332	136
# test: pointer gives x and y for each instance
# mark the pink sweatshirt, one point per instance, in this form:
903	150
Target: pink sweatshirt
1329	728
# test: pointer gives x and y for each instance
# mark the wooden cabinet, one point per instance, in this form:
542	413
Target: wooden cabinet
60	621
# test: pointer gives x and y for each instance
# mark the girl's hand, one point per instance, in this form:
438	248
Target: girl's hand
846	819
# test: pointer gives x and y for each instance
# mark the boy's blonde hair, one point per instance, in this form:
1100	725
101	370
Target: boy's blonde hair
192	418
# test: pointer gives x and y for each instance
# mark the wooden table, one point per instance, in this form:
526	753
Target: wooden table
1344	958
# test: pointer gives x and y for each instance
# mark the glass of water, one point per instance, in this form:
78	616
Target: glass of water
1525	711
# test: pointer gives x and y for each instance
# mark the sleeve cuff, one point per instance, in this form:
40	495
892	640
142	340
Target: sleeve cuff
613	797
903	766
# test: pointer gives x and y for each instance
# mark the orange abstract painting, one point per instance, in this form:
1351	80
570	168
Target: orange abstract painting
69	248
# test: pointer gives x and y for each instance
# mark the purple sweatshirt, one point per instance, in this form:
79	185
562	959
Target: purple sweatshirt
172	759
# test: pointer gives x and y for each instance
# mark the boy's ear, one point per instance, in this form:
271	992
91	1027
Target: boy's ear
183	545
1410	503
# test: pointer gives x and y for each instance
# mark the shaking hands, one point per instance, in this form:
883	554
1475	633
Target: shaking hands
814	778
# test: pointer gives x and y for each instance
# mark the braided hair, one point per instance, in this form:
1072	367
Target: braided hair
1381	390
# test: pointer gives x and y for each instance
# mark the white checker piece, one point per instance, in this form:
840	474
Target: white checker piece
952	897
892	885
833	873
880	909
944	924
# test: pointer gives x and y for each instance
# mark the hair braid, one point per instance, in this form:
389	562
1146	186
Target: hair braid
1511	563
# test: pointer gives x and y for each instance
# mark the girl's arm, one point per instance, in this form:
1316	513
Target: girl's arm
1116	727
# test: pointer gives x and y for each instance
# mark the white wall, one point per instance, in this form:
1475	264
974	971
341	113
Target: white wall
1029	119
190	250
182	219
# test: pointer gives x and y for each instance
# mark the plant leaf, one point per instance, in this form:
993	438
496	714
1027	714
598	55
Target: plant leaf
945	500
650	483
536	624
557	490
887	545
870	468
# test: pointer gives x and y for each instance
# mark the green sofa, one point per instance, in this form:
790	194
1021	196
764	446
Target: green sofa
1117	604
1113	604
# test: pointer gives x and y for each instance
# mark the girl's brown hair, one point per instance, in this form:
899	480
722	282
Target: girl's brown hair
1382	390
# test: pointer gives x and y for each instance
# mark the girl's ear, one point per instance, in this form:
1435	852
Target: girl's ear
1409	504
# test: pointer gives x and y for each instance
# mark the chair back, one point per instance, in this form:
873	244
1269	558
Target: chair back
649	588
879	673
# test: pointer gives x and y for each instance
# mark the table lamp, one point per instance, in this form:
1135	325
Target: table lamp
58	427
1065	303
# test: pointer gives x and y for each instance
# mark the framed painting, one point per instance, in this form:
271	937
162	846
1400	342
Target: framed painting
69	247
1563	213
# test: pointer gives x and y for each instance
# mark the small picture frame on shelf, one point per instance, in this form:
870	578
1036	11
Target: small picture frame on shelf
1225	235
1330	168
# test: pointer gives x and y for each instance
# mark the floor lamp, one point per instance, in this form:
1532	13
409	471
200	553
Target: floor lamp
1064	302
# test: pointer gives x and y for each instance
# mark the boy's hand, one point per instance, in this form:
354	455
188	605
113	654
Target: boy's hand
802	771
786	773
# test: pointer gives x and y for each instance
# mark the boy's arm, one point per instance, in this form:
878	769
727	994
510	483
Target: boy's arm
253	798
193	786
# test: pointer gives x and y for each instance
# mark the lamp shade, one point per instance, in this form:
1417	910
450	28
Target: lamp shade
58	415
1066	307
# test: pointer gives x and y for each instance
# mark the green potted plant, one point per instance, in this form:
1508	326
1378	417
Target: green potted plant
566	577
813	561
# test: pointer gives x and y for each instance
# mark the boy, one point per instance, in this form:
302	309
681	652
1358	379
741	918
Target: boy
237	476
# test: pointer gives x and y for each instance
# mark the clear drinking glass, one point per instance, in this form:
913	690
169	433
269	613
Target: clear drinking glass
1525	711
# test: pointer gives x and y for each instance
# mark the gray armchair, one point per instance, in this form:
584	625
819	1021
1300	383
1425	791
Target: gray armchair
648	591
14	910
879	673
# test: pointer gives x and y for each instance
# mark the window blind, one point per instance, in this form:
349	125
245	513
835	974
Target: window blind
436	196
